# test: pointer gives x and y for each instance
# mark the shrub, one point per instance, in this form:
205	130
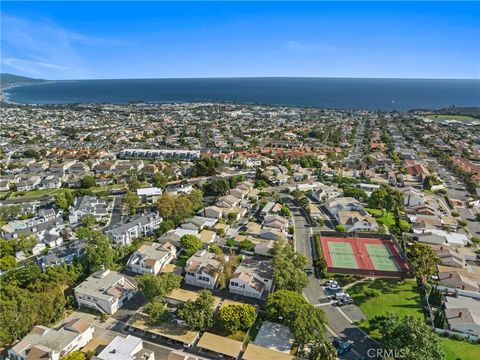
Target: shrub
372	293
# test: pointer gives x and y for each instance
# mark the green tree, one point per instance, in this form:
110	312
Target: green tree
88	220
7	262
133	182
246	245
160	180
191	244
340	228
260	184
196	199
175	208
165	226
411	337
424	261
226	268
157	311
288	267
88	182
205	167
158	286
285	211
306	322
70	198
132	201
378	199
26	243
74	355
198	314
99	251
322	349
61	201
236	317
216	187
9	213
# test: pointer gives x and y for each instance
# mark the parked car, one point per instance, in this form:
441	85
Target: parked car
344	300
344	347
336	343
333	287
331	282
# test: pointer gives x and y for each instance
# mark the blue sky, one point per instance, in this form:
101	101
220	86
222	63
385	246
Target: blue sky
68	40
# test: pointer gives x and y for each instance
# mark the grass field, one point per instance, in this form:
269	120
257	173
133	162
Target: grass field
42	192
451	117
401	298
460	350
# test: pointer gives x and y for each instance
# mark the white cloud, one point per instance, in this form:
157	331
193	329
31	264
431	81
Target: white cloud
44	48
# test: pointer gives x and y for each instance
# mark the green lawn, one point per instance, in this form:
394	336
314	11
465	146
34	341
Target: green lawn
460	350
451	117
40	192
399	298
403	299
388	219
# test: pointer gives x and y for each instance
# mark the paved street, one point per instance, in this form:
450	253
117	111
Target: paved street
456	190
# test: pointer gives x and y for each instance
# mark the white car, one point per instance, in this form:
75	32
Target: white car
333	287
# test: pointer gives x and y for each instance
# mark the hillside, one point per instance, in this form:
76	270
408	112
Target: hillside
10	80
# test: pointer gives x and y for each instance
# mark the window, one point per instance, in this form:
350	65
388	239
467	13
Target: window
203	278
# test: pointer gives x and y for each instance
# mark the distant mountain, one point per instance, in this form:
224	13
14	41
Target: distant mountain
10	80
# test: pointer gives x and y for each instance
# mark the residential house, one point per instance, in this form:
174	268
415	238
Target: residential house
202	269
151	258
105	291
463	320
342	204
46	343
64	254
125	348
463	314
412	197
252	278
29	184
357	220
50	182
228	201
326	192
91	205
149	195
139	225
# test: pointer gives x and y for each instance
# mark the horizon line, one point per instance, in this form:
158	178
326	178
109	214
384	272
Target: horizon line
250	77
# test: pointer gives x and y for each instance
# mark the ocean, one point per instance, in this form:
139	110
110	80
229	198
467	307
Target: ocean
340	93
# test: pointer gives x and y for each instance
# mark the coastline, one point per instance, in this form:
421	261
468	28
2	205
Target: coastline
4	95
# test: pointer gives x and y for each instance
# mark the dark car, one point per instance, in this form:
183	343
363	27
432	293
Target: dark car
336	343
344	347
344	301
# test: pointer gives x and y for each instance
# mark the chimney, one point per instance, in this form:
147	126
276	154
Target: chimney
450	275
460	314
441	247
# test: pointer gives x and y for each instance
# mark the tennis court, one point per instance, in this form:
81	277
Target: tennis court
367	256
342	255
381	257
